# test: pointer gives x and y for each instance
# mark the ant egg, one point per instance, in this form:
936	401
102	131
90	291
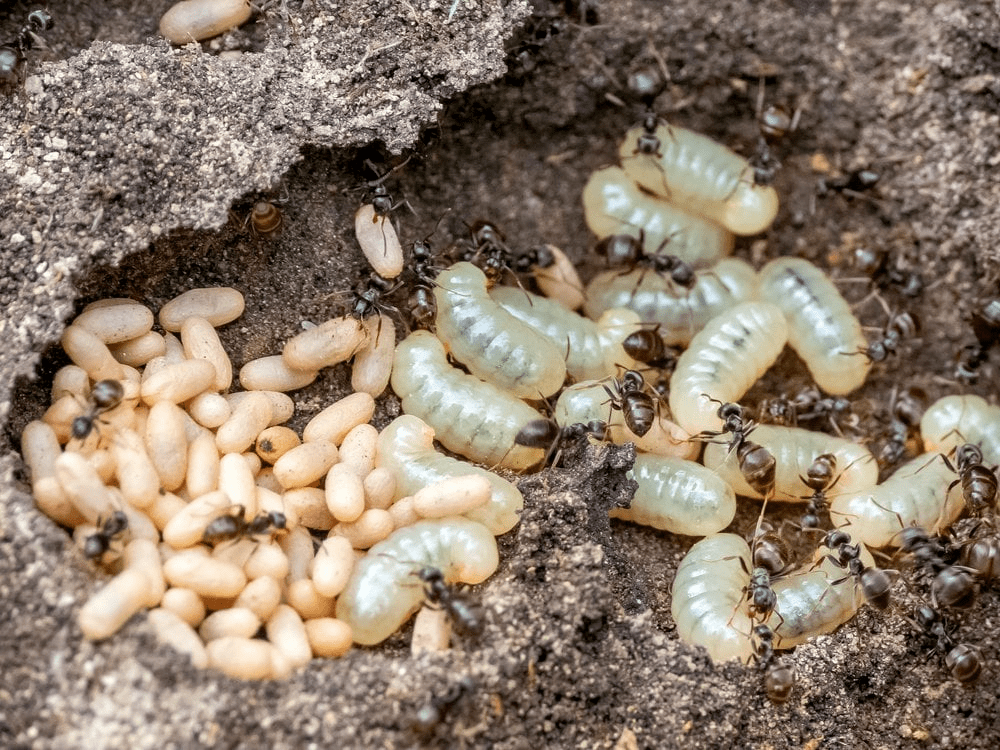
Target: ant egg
384	590
378	241
591	350
275	442
245	658
468	416
187	527
431	631
201	341
83	486
282	406
920	493
274	374
137	476
70	381
821	327
678	496
696	173
559	281
339	418
184	603
193	20
329	637
309	505
232	622
87	351
138	351
345	493
40	449
179	635
405	447
380	488
331	342
218	305
331	567
493	344
725	358
265	561
202	474
167	444
178	382
612	204
794	451
144	555
953	420
236	480
209	409
117	323
587	402
708	600
372	366
403	513
680	314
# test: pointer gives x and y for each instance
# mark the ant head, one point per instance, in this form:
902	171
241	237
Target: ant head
729	411
968	455
277	519
632	381
620	249
486	233
836	539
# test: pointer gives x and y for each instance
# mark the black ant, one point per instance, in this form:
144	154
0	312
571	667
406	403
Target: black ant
431	714
489	251
14	53
546	433
929	553
236	526
99	542
626	250
779	680
963	661
637	407
985	324
982	554
900	326
105	395
875	583
382	200
905	410
756	462
979	484
468	618
874	263
774	122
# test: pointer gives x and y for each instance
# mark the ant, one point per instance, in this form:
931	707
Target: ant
807	405
647	346
628	397
774	122
900	326
905	410
105	395
874	263
964	661
382	200
236	526
546	433
930	553
626	250
979	484
432	713
780	678
820	479
982	554
14	53
99	542
985	324
756	462
489	251
875	583
468	618
422	305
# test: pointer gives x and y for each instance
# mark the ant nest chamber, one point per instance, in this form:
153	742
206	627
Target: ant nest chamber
238	423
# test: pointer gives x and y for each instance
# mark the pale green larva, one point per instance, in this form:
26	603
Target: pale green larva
794	451
679	496
406	448
491	342
953	420
921	493
725	358
384	588
694	172
681	313
592	350
469	417
613	204
821	327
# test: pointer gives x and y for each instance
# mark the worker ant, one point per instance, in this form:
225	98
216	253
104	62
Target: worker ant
874	263
779	680
756	462
105	395
875	583
468	618
979	484
95	545
546	433
900	326
431	714
774	122
637	407
236	526
985	323
14	53
963	661
624	250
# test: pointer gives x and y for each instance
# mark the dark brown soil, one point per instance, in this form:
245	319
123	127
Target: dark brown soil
158	155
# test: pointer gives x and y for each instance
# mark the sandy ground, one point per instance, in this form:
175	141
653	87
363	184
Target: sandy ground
128	169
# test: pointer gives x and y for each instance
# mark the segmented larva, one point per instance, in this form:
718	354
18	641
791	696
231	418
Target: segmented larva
406	449
491	342
917	494
708	603
679	496
821	326
468	416
587	401
592	350
724	360
693	171
612	204
681	313
953	420
794	450
384	590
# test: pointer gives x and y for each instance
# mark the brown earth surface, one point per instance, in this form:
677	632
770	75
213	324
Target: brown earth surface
128	169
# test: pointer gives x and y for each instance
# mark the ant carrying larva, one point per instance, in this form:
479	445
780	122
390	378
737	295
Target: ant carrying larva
104	396
374	229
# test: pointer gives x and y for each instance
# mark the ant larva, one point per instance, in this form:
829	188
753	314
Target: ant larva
963	661
985	323
628	396
14	53
104	396
953	420
235	525
99	542
546	433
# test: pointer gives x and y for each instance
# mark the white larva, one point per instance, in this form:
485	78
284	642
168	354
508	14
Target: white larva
680	313
613	204
586	402
918	492
384	590
821	327
794	450
953	420
592	350
724	360
560	281
679	496
492	343
378	241
405	447
708	601
469	417
693	171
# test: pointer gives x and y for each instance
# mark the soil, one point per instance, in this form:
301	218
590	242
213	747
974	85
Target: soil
128	169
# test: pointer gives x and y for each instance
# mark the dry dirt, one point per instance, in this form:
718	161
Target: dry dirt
128	169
